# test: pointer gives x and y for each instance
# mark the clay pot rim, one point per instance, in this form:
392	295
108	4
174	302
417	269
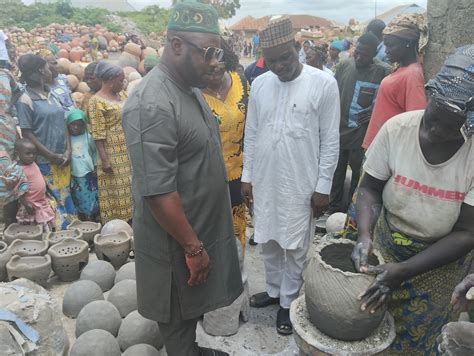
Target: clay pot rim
3	246
12	226
75	223
330	242
55	233
97	237
52	249
44	244
21	266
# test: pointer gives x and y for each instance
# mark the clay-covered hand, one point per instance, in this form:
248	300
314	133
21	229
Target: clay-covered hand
319	204
459	298
199	267
247	194
360	254
389	276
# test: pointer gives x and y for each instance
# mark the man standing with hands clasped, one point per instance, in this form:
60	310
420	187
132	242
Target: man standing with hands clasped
185	249
290	153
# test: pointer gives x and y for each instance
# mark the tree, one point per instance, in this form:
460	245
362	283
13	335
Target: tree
225	8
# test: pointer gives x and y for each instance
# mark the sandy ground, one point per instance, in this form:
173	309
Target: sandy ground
255	337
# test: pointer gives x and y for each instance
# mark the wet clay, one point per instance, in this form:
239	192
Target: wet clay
339	256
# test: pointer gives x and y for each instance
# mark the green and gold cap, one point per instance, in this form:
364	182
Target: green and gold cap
194	16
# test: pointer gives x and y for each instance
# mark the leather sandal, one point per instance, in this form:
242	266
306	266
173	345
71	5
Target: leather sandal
283	323
262	300
204	351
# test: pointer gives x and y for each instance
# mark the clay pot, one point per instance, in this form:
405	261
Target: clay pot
127	271
29	248
5	256
76	54
72	81
128	70
134	76
149	51
63	53
55	237
141	67
78	295
22	232
141	350
128	60
99	314
77	70
34	268
332	287
78	98
69	257
88	228
124	296
114	248
83	88
76	42
121	39
136	329
100	272
63	65
95	342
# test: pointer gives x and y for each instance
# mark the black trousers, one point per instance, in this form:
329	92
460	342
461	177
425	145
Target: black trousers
347	157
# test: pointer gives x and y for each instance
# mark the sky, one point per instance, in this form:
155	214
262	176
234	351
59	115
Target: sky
338	10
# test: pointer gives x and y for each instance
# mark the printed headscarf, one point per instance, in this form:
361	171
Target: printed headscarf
453	86
410	27
339	45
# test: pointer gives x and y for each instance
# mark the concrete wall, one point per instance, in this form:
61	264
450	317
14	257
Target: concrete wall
451	25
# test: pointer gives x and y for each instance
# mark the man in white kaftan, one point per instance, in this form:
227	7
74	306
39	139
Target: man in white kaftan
290	153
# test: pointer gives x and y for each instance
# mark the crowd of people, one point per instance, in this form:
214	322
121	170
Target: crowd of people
201	144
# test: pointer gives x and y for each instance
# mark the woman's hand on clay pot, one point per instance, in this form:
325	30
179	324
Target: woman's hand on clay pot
459	298
389	276
360	254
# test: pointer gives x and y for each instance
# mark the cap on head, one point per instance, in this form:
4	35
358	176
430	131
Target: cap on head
278	31
194	16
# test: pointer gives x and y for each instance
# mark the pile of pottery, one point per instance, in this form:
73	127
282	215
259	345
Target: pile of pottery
332	287
104	304
27	252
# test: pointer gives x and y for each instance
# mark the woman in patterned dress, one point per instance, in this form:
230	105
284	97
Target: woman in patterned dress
113	167
227	95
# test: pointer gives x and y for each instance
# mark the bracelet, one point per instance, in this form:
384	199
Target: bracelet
195	253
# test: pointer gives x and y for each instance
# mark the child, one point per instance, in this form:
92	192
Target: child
83	162
35	207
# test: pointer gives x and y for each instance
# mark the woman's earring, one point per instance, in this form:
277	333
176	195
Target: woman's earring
408	46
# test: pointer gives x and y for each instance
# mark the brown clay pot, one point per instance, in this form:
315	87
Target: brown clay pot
332	287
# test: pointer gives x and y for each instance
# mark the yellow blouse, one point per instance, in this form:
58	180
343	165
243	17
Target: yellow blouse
231	114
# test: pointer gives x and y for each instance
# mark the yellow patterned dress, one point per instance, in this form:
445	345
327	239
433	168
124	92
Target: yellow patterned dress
115	195
231	114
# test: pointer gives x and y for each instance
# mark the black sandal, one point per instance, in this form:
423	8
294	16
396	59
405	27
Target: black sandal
204	351
252	241
262	300
283	324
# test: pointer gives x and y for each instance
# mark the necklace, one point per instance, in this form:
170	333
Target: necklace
217	93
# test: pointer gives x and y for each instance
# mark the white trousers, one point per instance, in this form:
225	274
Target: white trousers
284	270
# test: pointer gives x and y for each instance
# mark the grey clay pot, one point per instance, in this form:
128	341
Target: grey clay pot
69	257
29	248
124	296
5	255
332	287
95	343
99	314
34	268
22	232
88	228
100	272
114	248
78	295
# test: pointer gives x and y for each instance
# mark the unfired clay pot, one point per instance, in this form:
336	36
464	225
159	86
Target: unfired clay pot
113	248
5	255
88	228
22	232
332	287
78	295
100	272
95	342
136	329
57	236
141	350
69	257
124	296
127	271
99	314
29	248
34	268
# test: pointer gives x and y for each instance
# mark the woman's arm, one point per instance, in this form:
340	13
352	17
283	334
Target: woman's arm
368	207
106	167
42	150
448	249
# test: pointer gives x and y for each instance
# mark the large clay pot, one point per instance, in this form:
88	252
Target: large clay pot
34	268
88	228
128	60
5	256
114	248
22	232
68	258
332	287
29	248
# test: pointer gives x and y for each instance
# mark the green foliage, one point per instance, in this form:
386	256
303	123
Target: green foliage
225	8
15	13
150	19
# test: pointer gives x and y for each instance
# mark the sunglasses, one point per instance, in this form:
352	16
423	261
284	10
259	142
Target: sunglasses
209	53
